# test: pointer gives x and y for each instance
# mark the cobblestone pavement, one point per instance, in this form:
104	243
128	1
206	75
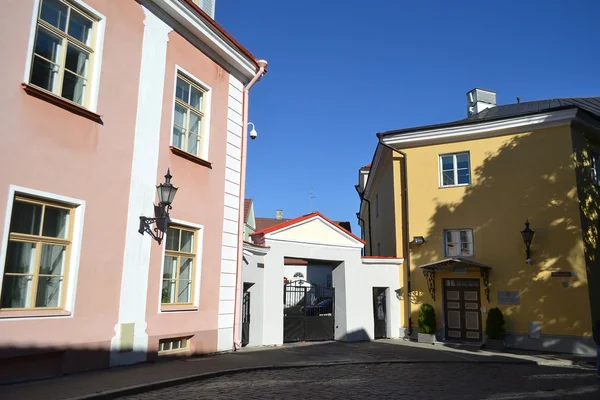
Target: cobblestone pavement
393	381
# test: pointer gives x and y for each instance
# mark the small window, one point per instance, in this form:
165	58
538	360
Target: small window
179	266
455	169
459	243
37	256
175	345
299	275
596	168
189	117
63	51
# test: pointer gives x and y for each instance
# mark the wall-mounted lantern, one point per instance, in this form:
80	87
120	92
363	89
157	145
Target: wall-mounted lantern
527	235
418	240
166	193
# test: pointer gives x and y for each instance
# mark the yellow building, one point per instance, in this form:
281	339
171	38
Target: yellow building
452	200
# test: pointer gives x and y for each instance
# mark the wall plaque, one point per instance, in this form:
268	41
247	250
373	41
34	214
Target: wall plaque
508	297
563	274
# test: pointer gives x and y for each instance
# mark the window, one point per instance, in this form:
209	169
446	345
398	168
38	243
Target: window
455	170
63	50
176	345
179	266
299	275
39	244
596	168
189	116
459	243
377	204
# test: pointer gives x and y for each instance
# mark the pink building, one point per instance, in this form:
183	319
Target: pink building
98	101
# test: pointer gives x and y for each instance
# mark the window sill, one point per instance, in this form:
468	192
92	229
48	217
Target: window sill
177	308
62	103
190	157
454	186
7	314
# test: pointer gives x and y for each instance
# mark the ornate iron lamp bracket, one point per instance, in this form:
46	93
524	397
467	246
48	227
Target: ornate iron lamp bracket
430	276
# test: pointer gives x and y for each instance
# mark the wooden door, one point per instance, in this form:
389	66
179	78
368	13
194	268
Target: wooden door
462	309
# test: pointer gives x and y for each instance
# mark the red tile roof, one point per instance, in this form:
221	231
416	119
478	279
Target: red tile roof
294	261
366	166
264	223
247	205
289	222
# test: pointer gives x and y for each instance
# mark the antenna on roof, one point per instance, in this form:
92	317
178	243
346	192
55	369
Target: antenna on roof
518	99
311	197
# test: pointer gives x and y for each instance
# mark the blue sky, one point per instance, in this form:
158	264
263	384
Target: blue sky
342	70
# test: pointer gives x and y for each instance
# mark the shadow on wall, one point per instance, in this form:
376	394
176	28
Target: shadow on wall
25	364
531	176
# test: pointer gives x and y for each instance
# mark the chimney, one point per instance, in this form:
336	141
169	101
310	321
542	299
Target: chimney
279	215
479	100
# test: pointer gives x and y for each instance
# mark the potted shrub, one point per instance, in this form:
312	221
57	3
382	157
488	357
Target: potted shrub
427	324
494	330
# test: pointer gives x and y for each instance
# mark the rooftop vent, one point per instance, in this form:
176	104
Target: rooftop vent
208	6
279	215
479	100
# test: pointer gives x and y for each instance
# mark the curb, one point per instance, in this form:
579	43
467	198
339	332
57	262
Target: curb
148	387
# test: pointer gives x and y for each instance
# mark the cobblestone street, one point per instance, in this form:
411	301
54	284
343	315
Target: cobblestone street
393	381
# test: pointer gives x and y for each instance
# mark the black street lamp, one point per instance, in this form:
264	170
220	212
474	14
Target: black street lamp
527	235
166	193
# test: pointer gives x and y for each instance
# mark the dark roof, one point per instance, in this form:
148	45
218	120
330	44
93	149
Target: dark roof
247	205
588	104
264	223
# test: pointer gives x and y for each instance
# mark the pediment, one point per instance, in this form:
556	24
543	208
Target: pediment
316	230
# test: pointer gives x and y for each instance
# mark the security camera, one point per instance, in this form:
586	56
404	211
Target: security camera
253	134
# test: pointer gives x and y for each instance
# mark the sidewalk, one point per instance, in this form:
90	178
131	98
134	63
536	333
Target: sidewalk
105	383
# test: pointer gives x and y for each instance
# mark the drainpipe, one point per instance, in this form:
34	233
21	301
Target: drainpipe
362	197
406	225
262	64
362	228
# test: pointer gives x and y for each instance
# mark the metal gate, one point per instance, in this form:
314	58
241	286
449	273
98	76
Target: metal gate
308	312
245	318
379	312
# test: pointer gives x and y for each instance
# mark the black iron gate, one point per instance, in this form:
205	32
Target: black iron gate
379	312
308	312
245	318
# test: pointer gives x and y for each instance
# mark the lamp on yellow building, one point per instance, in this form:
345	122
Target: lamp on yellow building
527	235
166	193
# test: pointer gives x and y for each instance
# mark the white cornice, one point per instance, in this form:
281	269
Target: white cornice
207	35
381	261
479	130
357	245
255	250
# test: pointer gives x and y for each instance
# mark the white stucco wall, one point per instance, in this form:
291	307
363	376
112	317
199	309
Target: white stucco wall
253	275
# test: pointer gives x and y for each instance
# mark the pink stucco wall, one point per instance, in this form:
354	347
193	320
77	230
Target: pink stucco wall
47	148
199	200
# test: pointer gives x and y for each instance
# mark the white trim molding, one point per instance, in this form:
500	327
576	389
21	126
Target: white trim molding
100	28
202	32
142	192
479	130
382	261
231	216
76	239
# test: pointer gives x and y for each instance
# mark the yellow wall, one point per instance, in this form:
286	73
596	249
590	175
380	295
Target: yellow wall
514	178
382	226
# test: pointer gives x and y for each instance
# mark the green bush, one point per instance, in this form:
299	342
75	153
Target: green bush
427	319
494	326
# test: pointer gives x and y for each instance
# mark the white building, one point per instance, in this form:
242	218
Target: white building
340	294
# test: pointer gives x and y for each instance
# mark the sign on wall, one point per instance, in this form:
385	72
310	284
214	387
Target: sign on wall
509	297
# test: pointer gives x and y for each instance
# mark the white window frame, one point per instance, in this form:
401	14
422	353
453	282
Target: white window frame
595	168
78	213
171	309
94	79
455	169
207	107
470	232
